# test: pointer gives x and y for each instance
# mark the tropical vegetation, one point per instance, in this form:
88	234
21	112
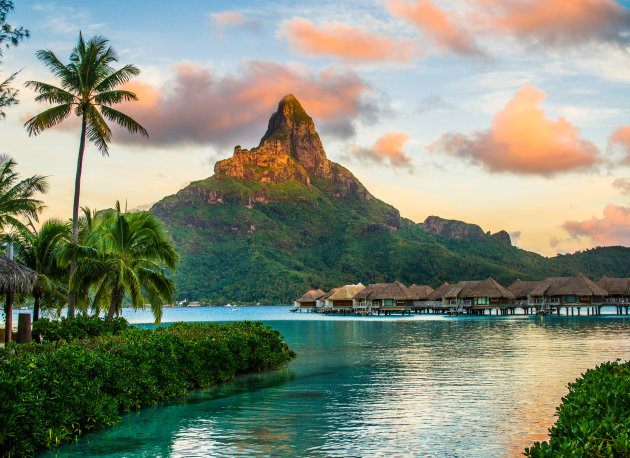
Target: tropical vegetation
54	392
271	242
89	88
593	418
9	36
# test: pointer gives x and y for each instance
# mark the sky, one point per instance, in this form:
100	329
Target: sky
509	114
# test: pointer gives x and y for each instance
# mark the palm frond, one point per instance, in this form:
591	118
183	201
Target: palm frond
114	97
124	120
47	119
117	78
98	131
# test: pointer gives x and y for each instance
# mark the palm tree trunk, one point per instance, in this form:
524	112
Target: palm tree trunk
36	308
75	215
114	304
8	320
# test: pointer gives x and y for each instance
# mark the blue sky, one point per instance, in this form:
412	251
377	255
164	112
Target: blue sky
506	116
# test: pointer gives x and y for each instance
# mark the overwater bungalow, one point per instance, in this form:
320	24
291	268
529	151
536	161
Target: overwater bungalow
383	297
308	301
436	297
527	294
477	296
322	304
341	300
618	291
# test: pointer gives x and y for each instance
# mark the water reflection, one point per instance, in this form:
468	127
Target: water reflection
436	387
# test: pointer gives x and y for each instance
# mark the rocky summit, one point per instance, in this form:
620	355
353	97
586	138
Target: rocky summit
280	218
290	150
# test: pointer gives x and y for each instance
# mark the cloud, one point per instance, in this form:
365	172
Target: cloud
622	185
620	139
612	229
346	42
228	19
199	107
543	23
444	29
554	241
557	22
434	103
515	236
523	140
387	149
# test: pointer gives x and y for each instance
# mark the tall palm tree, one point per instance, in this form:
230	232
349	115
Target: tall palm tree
124	256
88	89
41	251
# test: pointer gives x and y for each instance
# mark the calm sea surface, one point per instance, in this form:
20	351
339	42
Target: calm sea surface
403	386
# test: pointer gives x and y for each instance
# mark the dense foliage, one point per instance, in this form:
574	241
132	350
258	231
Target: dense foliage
269	243
594	418
54	392
79	327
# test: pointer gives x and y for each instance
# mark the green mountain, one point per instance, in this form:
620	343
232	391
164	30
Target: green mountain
281	218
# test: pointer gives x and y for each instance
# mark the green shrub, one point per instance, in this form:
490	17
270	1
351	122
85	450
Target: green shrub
77	328
54	392
594	418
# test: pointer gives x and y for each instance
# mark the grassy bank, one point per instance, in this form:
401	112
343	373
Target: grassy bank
594	418
54	392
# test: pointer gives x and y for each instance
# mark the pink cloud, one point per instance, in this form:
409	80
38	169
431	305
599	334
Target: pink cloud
386	149
444	28
620	138
197	106
228	18
556	21
346	42
542	22
523	140
612	229
622	185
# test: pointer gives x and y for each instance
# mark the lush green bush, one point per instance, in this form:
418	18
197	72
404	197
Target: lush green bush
79	327
53	392
594	418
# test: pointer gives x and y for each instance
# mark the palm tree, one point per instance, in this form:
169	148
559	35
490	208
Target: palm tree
41	251
17	206
124	256
88	89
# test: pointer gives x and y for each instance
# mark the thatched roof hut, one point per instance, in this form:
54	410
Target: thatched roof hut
420	293
346	293
489	288
311	296
521	289
439	292
615	286
579	286
396	291
368	291
328	294
15	278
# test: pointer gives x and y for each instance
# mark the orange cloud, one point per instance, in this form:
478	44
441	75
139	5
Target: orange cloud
523	140
388	148
197	106
543	22
622	185
612	229
444	28
229	19
556	21
621	139
344	41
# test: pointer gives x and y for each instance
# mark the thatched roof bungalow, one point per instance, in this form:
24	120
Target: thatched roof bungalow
420	293
323	301
389	296
309	299
559	291
478	294
437	295
342	298
618	289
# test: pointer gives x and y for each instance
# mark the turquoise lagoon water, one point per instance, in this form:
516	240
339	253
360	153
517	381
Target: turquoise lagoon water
395	386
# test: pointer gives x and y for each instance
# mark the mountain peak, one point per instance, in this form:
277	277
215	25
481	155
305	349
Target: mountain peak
289	150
